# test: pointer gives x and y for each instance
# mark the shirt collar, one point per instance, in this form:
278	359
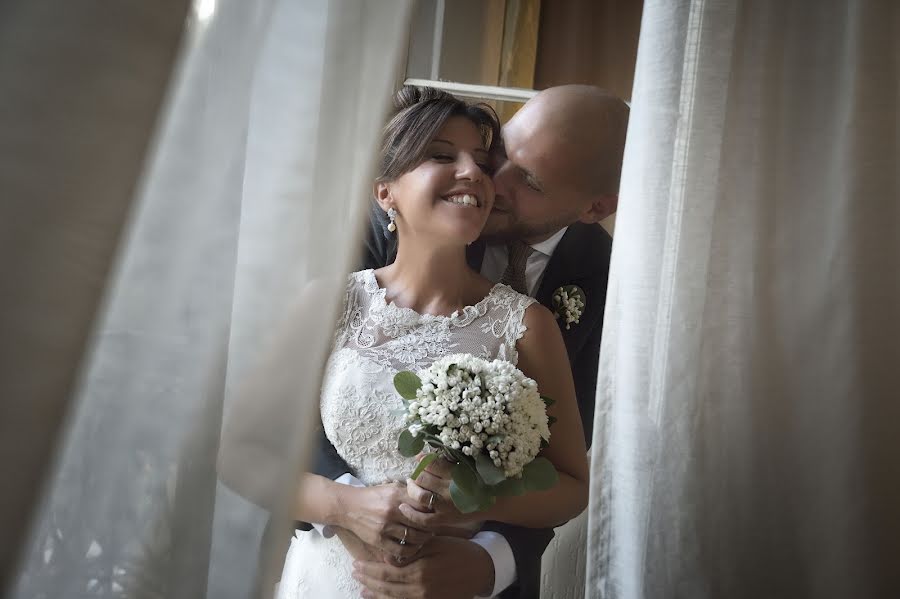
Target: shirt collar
548	246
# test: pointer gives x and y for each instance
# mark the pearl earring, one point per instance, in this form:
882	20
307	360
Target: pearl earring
392	214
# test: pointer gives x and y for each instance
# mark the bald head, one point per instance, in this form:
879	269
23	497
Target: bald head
579	131
562	163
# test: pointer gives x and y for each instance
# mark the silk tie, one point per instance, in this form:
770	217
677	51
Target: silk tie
514	275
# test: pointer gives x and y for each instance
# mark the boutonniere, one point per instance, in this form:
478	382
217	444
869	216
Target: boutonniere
568	304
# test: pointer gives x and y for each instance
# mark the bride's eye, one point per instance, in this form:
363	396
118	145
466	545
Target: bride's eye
442	157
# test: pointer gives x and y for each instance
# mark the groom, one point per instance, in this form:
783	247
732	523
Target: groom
556	178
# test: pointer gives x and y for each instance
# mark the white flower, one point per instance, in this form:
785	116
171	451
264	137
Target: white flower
568	304
465	400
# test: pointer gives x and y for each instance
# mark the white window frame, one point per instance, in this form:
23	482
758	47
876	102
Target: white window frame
462	90
480	92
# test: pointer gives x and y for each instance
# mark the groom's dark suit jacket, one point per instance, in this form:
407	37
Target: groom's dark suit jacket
582	259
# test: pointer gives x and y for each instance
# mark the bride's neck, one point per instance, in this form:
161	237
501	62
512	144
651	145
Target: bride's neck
429	280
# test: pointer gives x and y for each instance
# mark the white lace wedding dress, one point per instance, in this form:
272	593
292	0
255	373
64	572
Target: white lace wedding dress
362	413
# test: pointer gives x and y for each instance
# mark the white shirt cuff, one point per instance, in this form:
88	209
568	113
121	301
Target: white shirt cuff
502	556
345	479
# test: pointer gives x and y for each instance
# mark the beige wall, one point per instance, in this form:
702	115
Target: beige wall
589	41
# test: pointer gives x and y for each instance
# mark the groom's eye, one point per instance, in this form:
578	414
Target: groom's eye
487	168
532	183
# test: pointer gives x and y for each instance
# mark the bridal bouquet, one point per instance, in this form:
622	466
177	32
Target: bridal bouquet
486	417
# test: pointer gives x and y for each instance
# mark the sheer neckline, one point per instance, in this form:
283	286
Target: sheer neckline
458	317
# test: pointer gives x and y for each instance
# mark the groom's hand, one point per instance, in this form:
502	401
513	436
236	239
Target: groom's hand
446	568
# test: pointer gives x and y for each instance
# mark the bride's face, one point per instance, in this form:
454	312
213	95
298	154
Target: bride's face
449	195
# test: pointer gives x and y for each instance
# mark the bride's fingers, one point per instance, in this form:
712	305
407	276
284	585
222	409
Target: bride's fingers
421	496
409	534
423	520
440	468
432	496
392	546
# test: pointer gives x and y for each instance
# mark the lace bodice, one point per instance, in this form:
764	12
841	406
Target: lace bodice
361	412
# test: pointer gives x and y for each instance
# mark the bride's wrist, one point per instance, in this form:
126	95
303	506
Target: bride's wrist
341	505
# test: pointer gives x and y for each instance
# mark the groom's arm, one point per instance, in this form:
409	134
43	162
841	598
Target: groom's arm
328	463
528	545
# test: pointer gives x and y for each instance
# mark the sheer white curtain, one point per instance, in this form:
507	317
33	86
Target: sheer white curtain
255	182
746	440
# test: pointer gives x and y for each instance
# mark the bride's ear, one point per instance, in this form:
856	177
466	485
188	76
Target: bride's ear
382	193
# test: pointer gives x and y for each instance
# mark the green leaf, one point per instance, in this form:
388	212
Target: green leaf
423	464
407	383
490	474
548	401
464	502
408	445
487	501
496	438
540	475
467	491
551	420
465	478
509	487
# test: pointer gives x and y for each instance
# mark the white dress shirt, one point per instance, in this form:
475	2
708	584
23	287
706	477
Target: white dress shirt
496	257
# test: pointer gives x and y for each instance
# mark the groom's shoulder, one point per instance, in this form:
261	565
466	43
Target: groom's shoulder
380	246
586	242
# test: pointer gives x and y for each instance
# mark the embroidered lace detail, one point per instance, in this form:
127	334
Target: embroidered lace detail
328	575
362	415
407	340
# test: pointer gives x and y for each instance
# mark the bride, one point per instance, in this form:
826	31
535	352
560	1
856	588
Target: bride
435	184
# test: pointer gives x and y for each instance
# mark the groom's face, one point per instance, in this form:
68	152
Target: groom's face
535	193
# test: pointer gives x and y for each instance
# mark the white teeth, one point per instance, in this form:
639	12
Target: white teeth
464	200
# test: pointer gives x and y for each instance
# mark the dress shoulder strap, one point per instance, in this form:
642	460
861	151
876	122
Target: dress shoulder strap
508	319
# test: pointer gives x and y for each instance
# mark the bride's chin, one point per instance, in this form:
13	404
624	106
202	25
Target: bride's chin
457	237
469	235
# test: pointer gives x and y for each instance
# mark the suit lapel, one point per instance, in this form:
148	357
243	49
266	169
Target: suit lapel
566	268
562	269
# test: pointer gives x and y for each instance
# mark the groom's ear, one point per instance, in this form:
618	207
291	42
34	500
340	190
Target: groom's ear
382	193
599	208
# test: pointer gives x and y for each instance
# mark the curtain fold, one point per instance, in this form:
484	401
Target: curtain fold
80	89
255	177
747	395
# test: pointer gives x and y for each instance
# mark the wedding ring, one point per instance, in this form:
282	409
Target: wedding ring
431	502
405	532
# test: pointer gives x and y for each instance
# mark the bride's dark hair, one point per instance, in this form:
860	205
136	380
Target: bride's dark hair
420	112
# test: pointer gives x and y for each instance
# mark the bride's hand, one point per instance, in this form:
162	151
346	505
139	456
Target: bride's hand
431	489
373	515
